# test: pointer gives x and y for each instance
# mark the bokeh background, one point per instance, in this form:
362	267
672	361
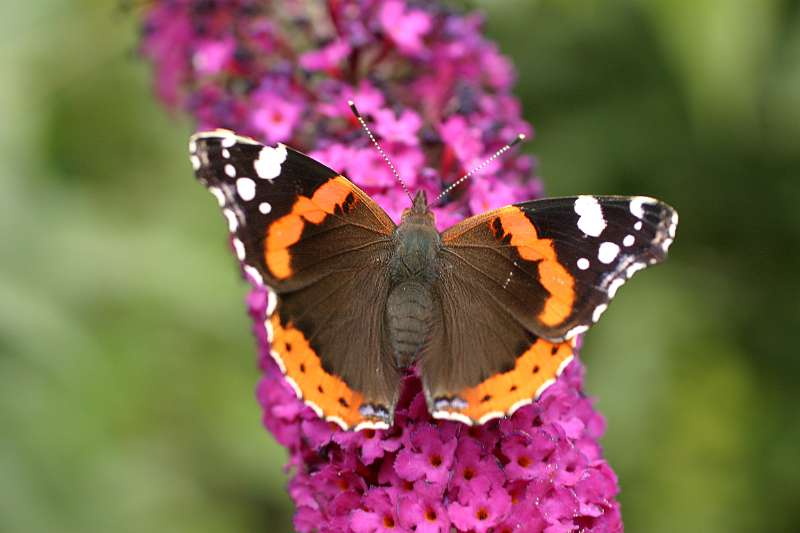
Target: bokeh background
127	368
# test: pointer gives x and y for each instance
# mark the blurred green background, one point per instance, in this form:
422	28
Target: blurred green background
126	365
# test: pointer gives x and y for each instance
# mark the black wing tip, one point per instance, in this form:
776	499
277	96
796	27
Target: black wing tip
226	138
207	145
666	223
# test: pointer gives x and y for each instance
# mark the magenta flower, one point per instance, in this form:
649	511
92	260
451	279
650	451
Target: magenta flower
464	140
212	56
423	513
274	116
402	128
427	454
283	71
328	57
480	511
378	513
476	470
405	26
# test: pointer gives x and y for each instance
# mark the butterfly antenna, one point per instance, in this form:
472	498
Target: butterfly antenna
462	179
372	138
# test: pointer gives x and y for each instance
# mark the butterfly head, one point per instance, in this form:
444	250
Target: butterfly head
419	212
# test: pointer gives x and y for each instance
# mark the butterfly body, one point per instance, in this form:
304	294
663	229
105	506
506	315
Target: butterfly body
486	311
412	307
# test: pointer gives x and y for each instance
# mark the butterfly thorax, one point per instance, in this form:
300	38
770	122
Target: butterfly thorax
414	267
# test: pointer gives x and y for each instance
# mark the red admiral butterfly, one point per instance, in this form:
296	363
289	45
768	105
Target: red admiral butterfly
488	310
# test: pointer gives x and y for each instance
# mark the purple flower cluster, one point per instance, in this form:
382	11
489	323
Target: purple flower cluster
434	90
437	94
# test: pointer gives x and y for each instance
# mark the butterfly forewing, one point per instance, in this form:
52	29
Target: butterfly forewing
555	264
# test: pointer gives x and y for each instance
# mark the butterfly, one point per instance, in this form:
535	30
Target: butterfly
487	310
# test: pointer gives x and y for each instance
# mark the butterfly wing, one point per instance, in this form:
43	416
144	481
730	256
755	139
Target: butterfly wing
316	241
518	283
480	362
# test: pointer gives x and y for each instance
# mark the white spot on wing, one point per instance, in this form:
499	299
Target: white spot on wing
577	330
634	268
295	387
270	330
195	162
543	387
238	247
573	341
233	223
278	360
616	284
226	153
264	207
628	240
272	301
192	145
637	205
598	311
255	275
230	170
516	406
638	226
218	194
583	263
591	220
268	164
369	424
452	415
673	224
227	138
246	188
564	364
314	407
608	252
491	416
338	421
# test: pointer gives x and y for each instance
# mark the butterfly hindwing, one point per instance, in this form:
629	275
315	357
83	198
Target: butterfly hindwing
518	283
314	239
481	363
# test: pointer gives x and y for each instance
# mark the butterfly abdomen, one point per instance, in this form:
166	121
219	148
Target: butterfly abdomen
409	311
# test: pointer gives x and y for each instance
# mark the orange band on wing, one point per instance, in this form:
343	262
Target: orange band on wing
553	277
303	368
502	394
287	230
